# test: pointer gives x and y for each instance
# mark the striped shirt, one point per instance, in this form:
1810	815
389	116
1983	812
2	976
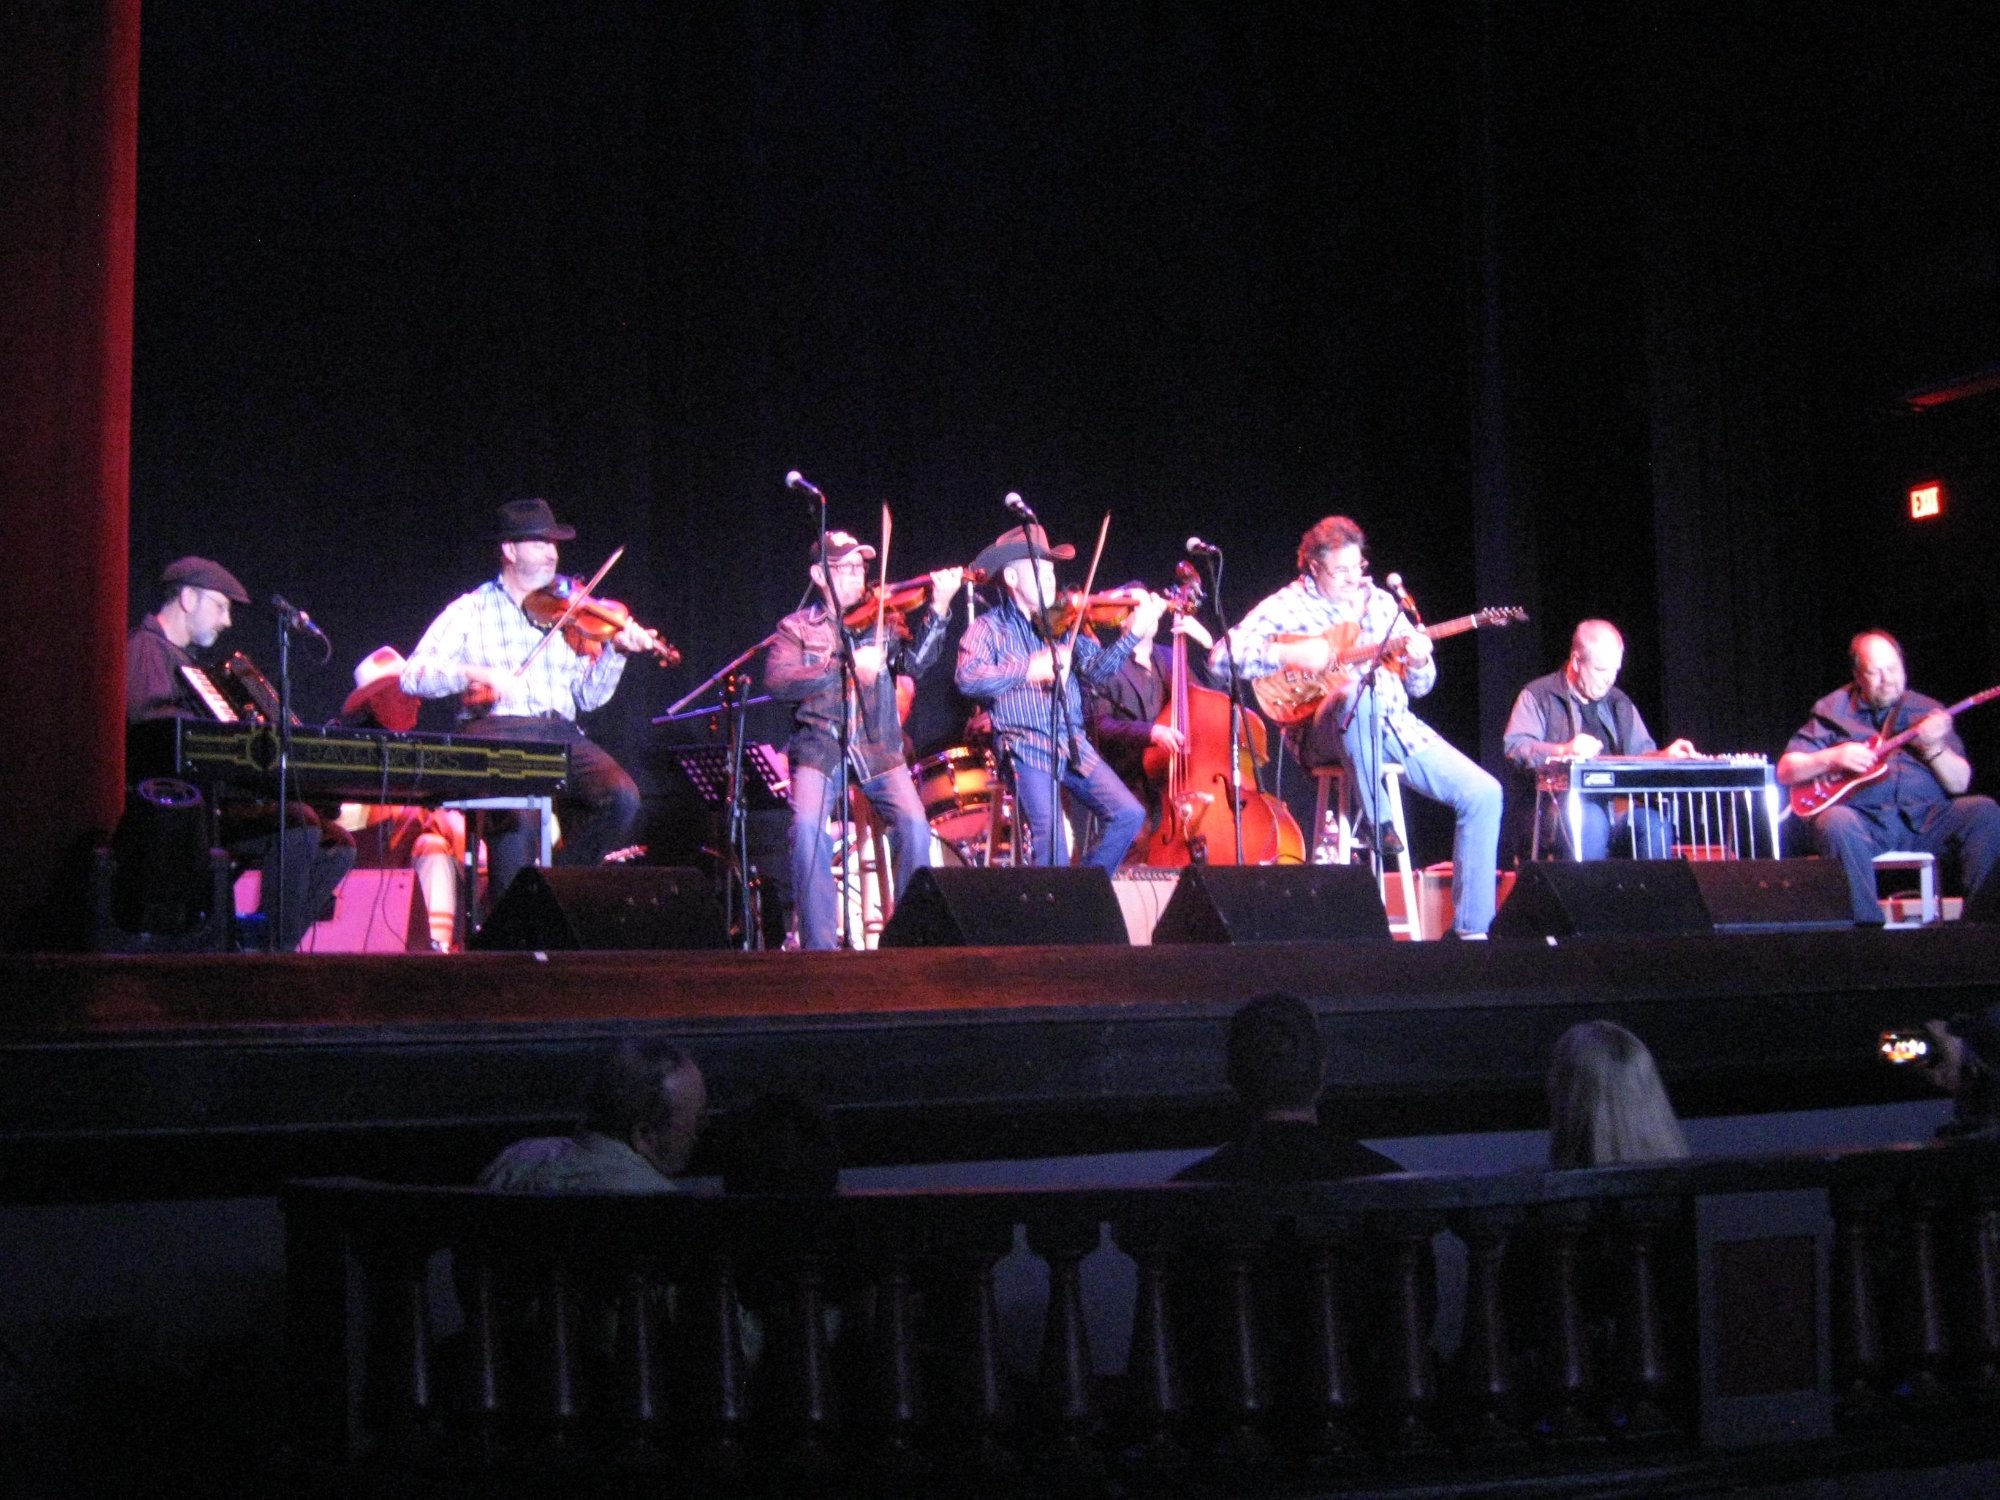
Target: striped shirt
486	628
1299	608
993	665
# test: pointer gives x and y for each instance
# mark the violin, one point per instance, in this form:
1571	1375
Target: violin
589	627
896	600
1108	609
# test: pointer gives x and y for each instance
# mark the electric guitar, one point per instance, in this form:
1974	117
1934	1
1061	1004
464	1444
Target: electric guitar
1289	696
1810	798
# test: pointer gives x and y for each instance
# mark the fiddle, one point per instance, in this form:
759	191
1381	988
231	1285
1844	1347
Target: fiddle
897	600
1108	609
588	622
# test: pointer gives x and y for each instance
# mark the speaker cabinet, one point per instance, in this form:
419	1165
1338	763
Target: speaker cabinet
1603	898
1775	895
1274	904
605	906
1006	908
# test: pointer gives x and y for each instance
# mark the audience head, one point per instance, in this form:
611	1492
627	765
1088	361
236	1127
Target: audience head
782	1143
1277	1060
651	1096
1606	1101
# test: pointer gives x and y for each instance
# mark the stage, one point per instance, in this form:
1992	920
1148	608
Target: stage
180	1077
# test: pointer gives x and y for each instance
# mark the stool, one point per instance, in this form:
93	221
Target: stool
1338	849
871	893
1927	897
545	806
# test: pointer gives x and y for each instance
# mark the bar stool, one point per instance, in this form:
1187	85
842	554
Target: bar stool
1927	897
1335	846
472	807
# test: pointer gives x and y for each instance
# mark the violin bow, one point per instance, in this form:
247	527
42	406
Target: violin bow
576	601
1089	580
882	583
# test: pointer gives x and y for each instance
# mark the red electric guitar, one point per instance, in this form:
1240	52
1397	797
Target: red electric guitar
1810	798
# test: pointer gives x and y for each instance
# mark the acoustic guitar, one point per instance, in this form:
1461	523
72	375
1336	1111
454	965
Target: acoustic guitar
1289	696
1811	798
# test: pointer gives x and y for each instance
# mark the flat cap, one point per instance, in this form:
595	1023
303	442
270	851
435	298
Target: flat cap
200	573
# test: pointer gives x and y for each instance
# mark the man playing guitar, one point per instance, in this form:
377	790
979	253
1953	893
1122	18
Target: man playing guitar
1296	628
1914	802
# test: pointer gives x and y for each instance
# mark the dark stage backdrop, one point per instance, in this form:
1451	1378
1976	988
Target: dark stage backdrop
1596	309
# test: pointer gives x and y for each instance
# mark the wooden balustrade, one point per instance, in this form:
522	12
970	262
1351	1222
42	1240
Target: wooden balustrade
1280	1329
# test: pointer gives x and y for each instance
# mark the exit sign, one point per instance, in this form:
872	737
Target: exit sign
1926	502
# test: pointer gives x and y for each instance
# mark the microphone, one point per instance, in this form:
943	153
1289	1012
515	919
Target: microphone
296	618
1016	504
1196	547
797	481
1395	585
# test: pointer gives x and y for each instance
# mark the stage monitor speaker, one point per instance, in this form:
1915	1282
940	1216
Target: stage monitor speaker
603	907
1774	895
1006	908
1274	904
1983	904
1603	898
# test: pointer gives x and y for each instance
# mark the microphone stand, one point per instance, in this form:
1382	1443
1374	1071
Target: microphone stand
1060	732
1235	709
736	867
1368	685
849	686
275	936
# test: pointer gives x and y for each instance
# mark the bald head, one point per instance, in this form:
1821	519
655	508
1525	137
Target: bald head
1879	676
1596	653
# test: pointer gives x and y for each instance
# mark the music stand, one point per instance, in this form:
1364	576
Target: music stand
765	779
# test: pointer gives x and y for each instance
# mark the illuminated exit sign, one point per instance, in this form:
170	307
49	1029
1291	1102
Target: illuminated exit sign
1926	502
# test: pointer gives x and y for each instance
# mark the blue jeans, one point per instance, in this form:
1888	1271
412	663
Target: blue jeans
1642	833
1965	830
1121	817
1441	773
893	795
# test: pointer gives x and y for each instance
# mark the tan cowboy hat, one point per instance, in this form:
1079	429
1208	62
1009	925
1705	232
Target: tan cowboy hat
1013	546
378	691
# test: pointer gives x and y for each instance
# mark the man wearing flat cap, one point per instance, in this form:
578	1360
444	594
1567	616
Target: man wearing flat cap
804	666
1008	660
189	620
475	649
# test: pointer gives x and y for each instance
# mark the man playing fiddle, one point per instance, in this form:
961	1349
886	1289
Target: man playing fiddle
804	666
476	649
1290	629
1010	659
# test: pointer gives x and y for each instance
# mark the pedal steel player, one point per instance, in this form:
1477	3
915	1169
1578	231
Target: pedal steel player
803	666
1008	660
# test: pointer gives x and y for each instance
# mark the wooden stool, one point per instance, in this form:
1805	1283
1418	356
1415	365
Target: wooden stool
1335	846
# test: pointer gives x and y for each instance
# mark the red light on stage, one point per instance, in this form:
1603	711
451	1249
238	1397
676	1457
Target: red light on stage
1926	502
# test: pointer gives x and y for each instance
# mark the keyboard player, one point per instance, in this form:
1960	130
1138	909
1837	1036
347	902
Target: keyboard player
189	620
1577	713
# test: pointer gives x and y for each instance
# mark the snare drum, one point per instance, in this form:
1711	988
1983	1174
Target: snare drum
957	787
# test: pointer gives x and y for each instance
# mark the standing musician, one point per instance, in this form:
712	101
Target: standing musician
804	666
475	648
1578	713
1009	659
190	619
1918	805
1333	589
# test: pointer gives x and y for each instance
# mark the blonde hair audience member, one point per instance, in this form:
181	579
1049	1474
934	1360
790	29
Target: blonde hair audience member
1606	1102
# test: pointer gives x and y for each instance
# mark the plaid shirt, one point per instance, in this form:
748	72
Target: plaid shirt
1299	608
486	628
993	665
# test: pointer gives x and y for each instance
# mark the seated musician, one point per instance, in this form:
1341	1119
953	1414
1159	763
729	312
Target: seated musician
1334	600
189	620
1008	659
1578	713
804	666
1123	711
431	839
477	647
1917	804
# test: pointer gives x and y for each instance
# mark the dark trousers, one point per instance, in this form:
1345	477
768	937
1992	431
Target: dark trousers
598	811
1965	830
317	857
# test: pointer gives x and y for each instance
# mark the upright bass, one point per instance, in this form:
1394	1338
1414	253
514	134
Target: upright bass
1197	825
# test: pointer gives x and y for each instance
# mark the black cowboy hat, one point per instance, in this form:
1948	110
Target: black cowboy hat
1017	544
529	520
